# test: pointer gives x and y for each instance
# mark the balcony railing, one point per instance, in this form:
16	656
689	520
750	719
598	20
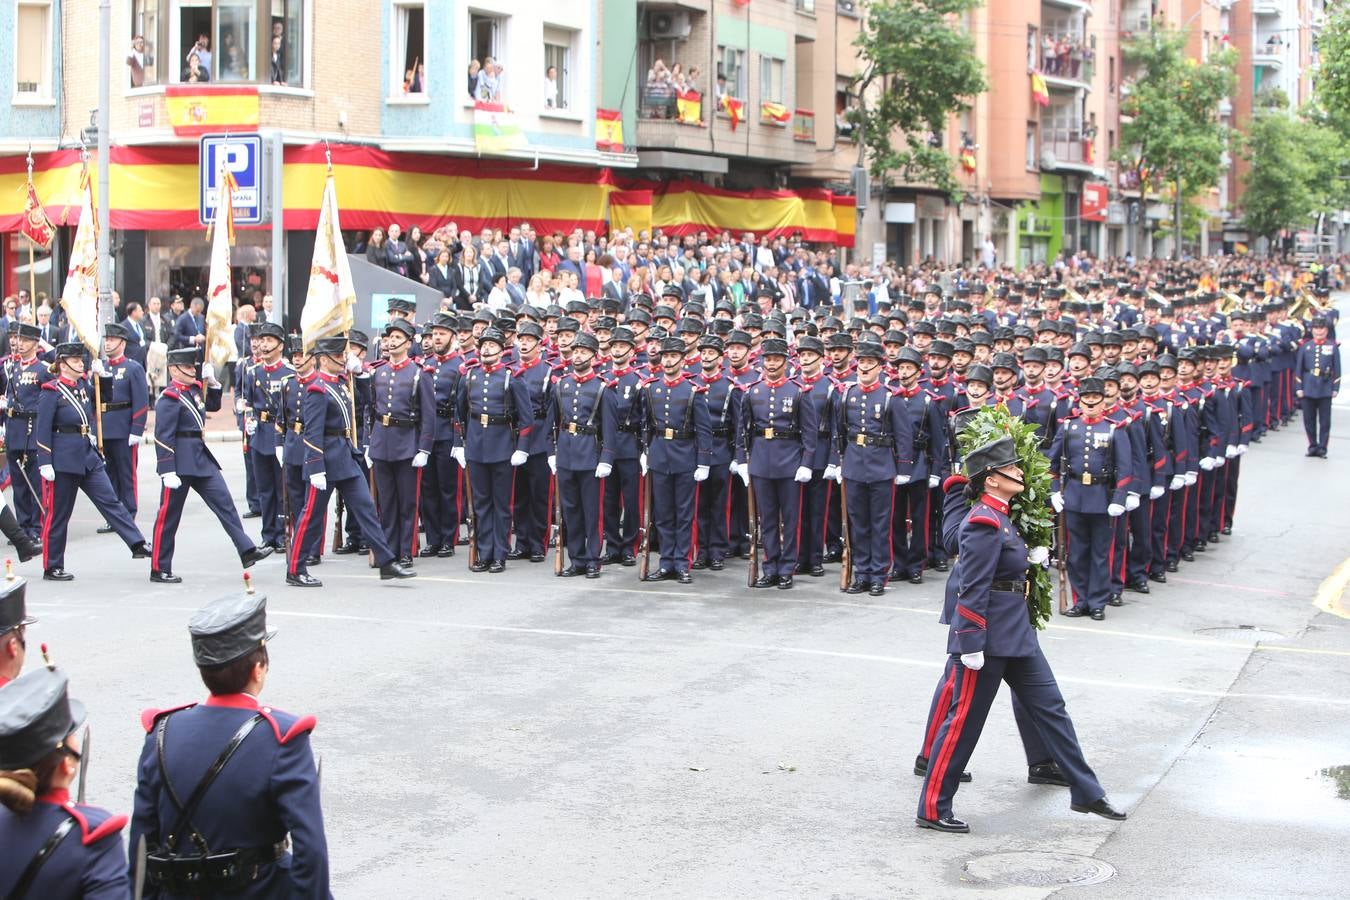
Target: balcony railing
683	108
1068	145
804	126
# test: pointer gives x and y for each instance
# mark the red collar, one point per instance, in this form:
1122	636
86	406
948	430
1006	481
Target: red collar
273	366
736	371
617	371
582	379
489	369
527	366
681	377
713	379
812	380
67	382
328	377
232	701
117	361
55	796
938	382
307	379
909	392
1091	420
994	503
775	384
869	388
395	366
1318	343
183	387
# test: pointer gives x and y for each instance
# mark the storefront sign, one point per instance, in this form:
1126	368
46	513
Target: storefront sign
242	155
1092	207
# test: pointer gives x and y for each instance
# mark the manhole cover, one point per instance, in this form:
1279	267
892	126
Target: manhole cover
1240	633
1039	869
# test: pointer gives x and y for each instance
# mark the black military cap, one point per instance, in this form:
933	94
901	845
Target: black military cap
840	341
552	311
359	338
185	356
1054	354
910	355
402	305
622	335
332	346
36	717
1003	333
752	320
774	347
776	327
1003	361
832	322
567	323
941	348
114	330
725	306
611	306
711	342
981	339
605	323
577	308
255	329
945	325
399	325
923	328
531	329
878	322
962	345
1112	339
996	454
810	344
1080	349
1024	331
916	303
738	337
1108	373
663	312
1034	354
75	348
894	336
295	345
871	349
672	345
1187	354
673	290
1167	361
1091	385
13	612
1318	322
695	308
638	317
228	629
1129	334
1148	333
688	326
1127	368
981	373
1092	338
504	324
1149	367
445	321
272	330
721	327
492	335
586	342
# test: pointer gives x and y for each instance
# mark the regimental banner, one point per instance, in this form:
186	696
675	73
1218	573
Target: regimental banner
330	300
220	348
196	109
79	295
495	129
37	227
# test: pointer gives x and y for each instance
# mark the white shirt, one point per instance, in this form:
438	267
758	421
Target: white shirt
550	94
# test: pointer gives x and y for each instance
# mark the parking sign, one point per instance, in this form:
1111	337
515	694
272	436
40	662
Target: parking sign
242	154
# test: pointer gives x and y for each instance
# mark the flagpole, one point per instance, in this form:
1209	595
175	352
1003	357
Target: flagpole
32	275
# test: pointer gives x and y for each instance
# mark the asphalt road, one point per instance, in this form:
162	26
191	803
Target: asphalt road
520	735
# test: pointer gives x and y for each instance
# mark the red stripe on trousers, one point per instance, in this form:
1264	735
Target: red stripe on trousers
938	775
417	508
944	702
159	528
296	553
49	495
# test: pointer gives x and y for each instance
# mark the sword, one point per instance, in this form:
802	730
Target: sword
84	765
138	886
37	498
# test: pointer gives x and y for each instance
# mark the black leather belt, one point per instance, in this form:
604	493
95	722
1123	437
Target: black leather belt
673	434
396	422
721	432
1087	478
336	432
872	440
226	871
485	420
21	414
574	428
71	429
1010	587
634	429
188	434
116	405
777	434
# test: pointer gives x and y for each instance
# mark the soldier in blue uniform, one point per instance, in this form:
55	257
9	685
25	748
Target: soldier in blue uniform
401	436
358	381
775	447
581	417
815	493
260	391
241	369
184	463
441	509
25	377
331	463
1091	471
992	635
291	445
55	848
1317	379
623	491
1155	476
14	622
678	442
530	509
723	398
911	519
126	400
873	443
492	413
68	462
227	794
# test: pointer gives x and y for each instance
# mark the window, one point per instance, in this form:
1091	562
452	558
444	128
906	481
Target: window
142	57
771	79
234	41
557	67
285	53
33	51
1033	48
731	65
486	45
1032	162
407	54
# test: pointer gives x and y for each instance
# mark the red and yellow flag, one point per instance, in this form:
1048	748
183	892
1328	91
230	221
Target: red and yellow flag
735	109
196	109
37	226
689	107
774	112
609	130
968	161
1039	92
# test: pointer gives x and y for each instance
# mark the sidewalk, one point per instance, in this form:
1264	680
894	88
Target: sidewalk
220	426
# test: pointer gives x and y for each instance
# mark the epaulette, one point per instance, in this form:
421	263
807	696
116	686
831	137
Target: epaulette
982	519
805	388
952	481
91	832
1123	423
301	725
150	716
167	392
699	388
49	385
313	388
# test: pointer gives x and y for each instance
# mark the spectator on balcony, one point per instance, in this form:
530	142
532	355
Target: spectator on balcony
278	63
549	258
397	256
195	73
490	81
417	261
535	292
474	68
440	275
1076	57
202	47
136	60
1063	50
595	274
375	248
1048	61
468	279
721	89
660	94
551	87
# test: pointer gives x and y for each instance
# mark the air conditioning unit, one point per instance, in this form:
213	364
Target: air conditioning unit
669	25
862	187
847	7
1049	160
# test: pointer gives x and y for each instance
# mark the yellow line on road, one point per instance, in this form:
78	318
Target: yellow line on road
1331	592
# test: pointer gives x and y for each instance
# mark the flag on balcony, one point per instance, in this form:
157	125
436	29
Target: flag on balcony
775	112
220	348
1039	92
968	161
37	227
1088	152
689	107
79	295
609	130
495	129
331	296
630	209
196	109
735	109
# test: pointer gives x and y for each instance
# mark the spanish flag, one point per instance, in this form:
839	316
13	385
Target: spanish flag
1039	92
968	161
609	130
197	109
689	107
735	109
774	112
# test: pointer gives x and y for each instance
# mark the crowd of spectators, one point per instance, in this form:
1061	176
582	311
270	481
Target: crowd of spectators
1067	56
666	85
484	81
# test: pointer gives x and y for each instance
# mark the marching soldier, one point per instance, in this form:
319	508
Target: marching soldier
68	462
26	375
873	441
722	397
530	495
126	399
678	445
14	622
54	847
185	462
261	388
623	491
581	417
227	794
776	444
241	369
910	524
815	493
358	375
1239	392
441	509
1317	379
490	408
401	436
329	429
291	446
1156	475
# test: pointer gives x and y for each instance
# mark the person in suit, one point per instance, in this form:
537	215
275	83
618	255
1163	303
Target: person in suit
190	329
467	284
138	342
520	253
441	274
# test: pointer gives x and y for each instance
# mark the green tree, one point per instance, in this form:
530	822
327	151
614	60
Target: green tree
1283	187
1174	134
1333	75
919	67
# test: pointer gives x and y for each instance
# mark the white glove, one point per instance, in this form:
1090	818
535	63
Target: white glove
519	457
832	473
370	464
1219	461
934	481
1115	510
354	363
642	463
553	464
1057	501
133	440
47	473
1131	502
743	470
803	475
1156	492
603	470
420	459
171	481
250	427
1038	555
1177	483
281	452
1242	449
1231	451
319	481
457	455
902	479
239	406
1191	479
701	473
1207	464
99	367
208	371
973	661
4	402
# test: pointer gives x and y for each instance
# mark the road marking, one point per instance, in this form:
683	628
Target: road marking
1231	587
1330	595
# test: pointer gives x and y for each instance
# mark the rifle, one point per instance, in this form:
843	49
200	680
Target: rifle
645	547
84	765
559	533
752	513
374	501
1060	552
846	560
337	521
473	519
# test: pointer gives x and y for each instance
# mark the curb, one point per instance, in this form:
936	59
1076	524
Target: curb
209	437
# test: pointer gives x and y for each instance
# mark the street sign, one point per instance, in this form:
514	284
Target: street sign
242	154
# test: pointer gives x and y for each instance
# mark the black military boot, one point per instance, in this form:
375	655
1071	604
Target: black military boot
25	546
